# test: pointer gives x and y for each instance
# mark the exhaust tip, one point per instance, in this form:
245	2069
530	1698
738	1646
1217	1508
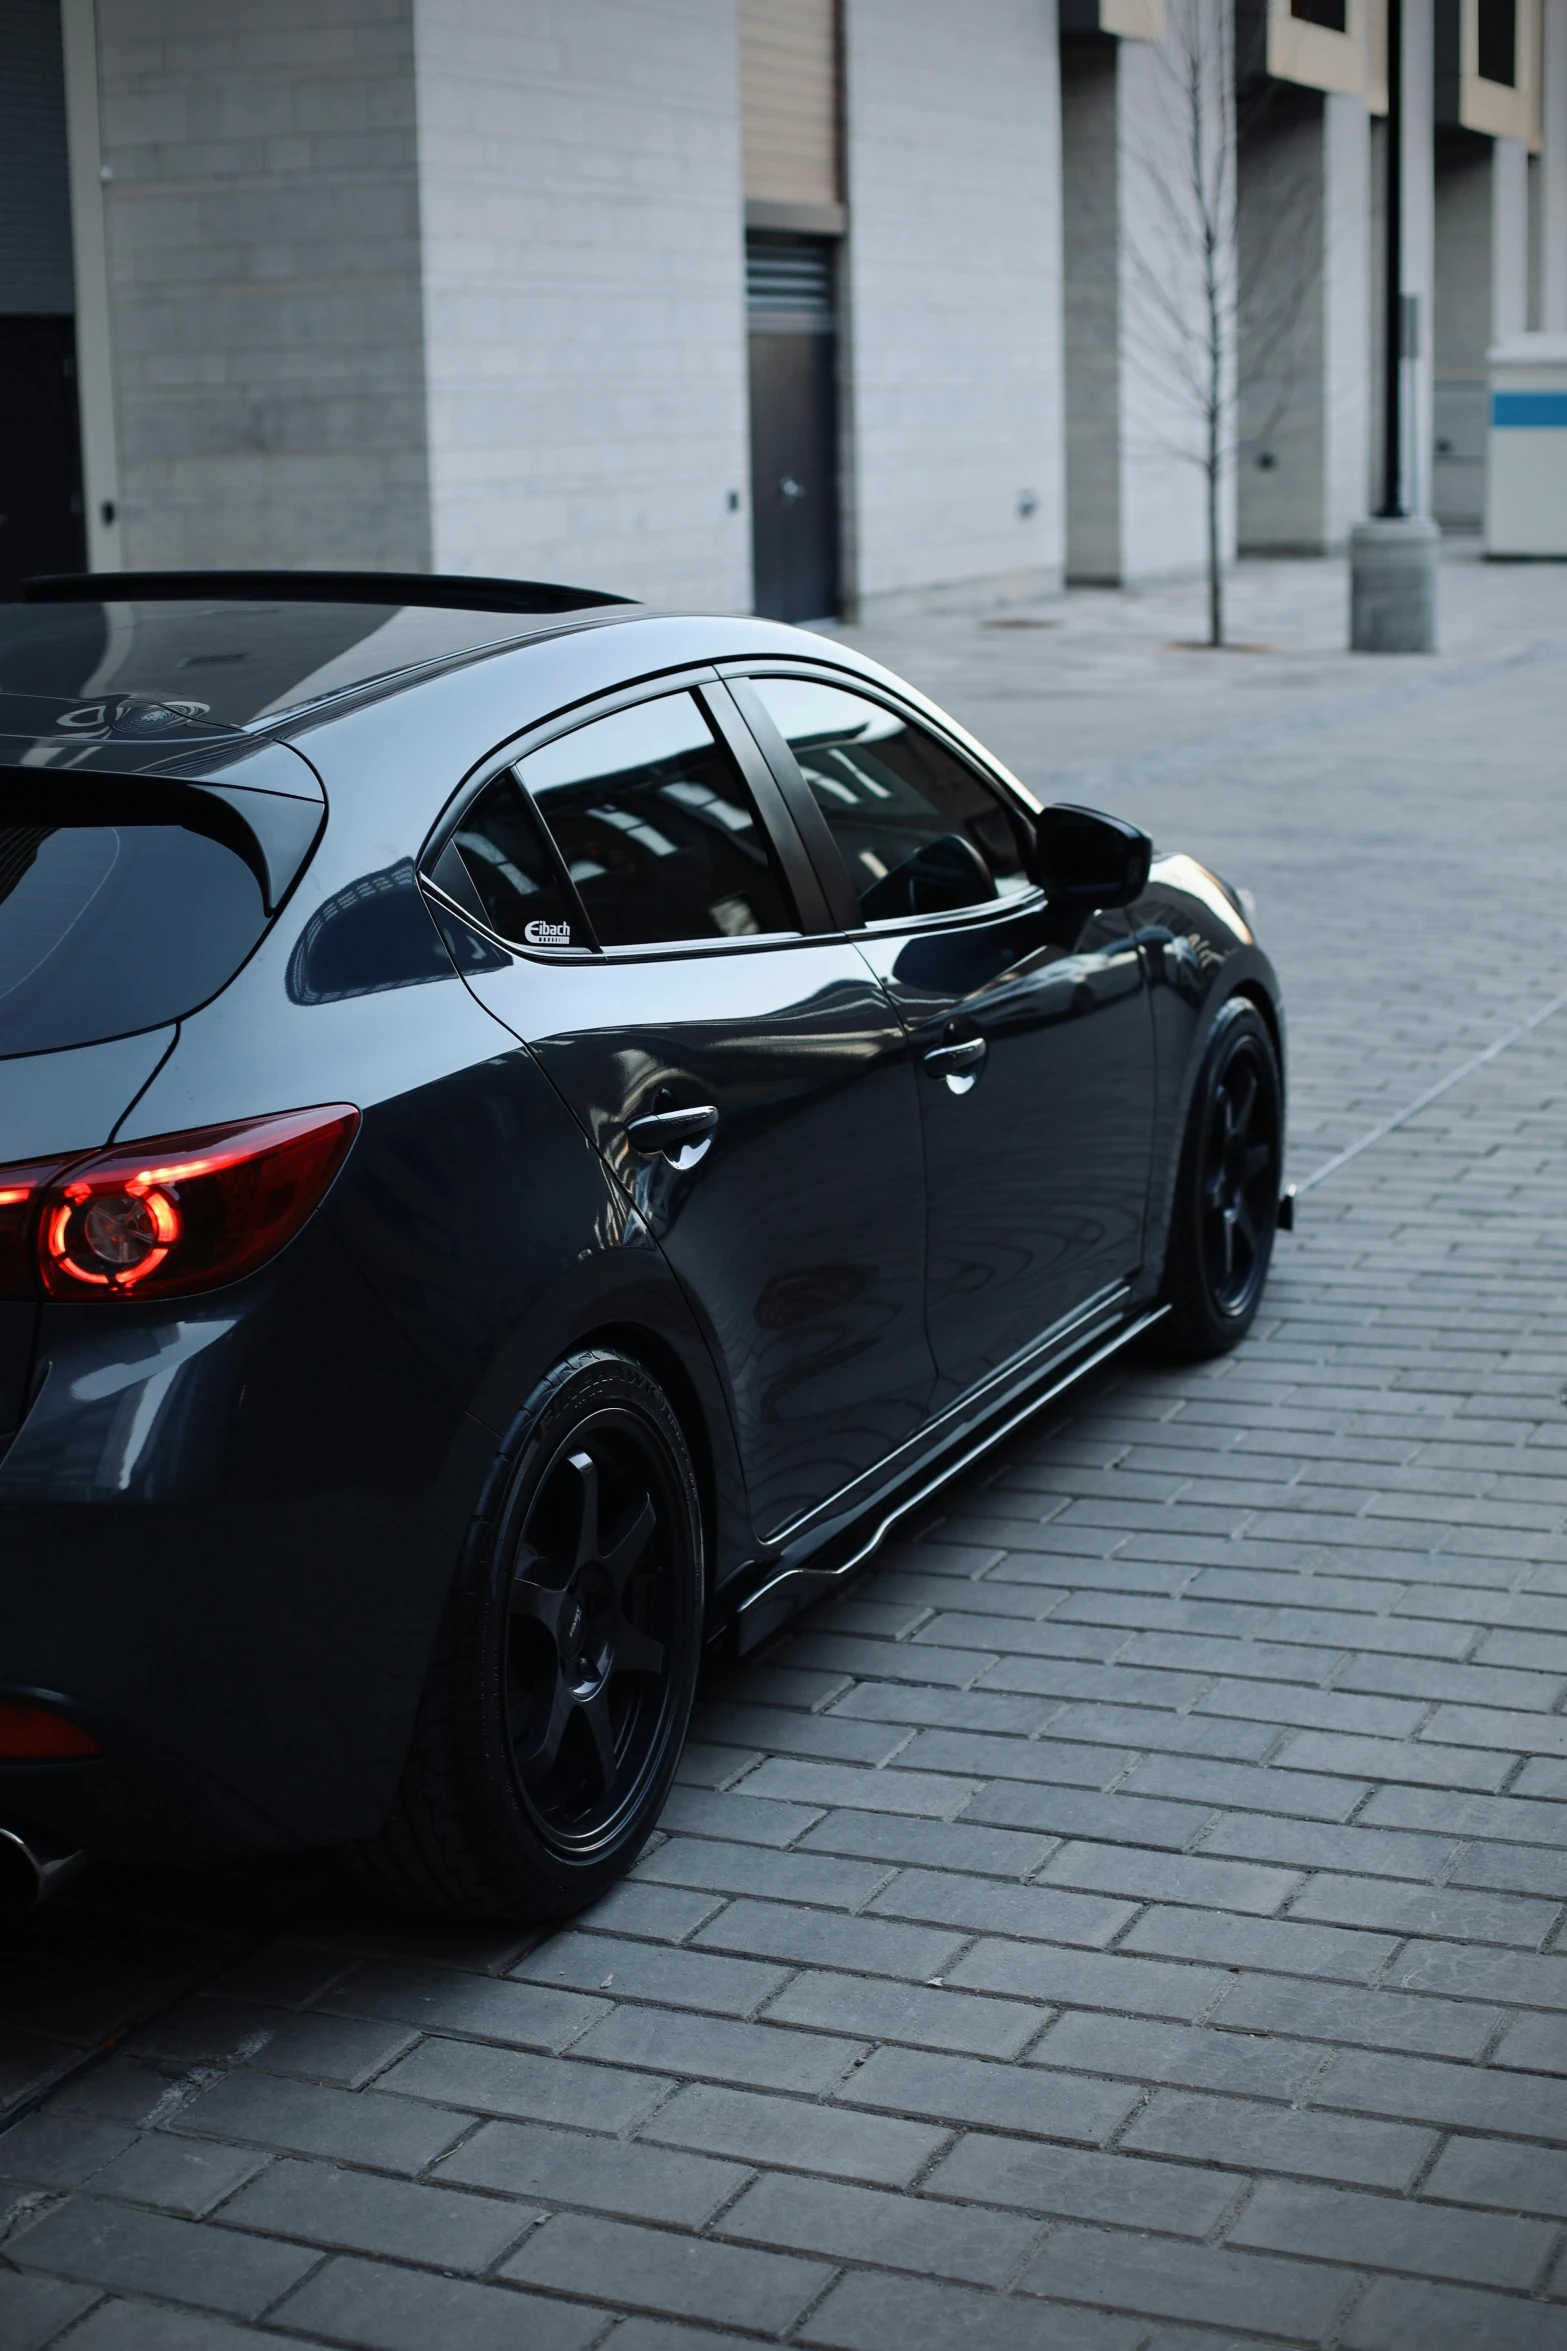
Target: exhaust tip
28	1875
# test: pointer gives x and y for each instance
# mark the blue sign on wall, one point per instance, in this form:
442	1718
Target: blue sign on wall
1528	408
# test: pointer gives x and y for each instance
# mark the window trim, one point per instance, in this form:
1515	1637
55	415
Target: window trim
798	870
836	881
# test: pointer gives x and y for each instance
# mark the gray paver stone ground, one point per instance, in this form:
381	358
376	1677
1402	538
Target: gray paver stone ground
1133	1918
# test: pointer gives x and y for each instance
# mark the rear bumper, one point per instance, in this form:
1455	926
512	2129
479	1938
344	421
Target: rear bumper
226	1535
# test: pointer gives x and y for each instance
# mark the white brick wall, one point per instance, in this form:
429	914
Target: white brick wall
955	305
264	281
584	292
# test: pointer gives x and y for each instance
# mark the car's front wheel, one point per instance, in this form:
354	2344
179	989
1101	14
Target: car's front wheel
561	1686
1227	1190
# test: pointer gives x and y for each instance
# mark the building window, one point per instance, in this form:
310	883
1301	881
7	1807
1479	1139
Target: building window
1499	43
1332	15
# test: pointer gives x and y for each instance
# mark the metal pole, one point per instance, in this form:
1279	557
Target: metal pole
1393	383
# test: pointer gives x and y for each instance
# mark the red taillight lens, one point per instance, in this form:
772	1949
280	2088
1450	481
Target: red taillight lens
32	1734
173	1214
21	1189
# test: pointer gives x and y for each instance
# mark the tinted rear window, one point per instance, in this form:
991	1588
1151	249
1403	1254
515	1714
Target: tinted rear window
105	929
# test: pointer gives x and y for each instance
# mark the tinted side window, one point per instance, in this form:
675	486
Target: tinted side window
106	929
919	831
657	829
500	866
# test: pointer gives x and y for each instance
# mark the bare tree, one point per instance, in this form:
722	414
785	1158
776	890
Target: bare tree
1189	307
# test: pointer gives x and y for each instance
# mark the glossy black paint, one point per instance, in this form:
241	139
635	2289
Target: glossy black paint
227	1526
18	1336
1036	1157
801	1260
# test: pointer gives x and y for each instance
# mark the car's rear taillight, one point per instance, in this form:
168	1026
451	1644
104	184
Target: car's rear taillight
21	1189
175	1213
36	1734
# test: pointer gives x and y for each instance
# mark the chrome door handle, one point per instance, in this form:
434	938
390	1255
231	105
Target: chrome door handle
962	1059
789	489
681	1135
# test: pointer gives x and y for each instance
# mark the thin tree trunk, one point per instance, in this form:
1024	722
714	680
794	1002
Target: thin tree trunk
1215	572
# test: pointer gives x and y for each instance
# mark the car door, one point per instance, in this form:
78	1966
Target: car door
667	963
1033	1035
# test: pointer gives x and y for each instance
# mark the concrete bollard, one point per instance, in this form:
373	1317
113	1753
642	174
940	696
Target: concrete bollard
1392	585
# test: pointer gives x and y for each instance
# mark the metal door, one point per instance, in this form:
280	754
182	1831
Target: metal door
1034	1041
1036	1152
40	451
794	427
794	1214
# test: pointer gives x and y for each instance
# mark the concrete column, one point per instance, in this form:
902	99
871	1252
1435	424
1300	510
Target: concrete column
1135	338
1509	237
1303	236
1091	237
1553	170
1462	324
1346	271
1163	334
1481	293
1419	241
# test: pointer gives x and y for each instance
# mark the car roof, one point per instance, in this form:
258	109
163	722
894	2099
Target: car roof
227	650
121	670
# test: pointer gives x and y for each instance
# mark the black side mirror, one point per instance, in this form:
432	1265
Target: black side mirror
1085	860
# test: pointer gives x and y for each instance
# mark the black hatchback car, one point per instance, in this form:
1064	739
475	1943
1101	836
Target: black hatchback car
531	1131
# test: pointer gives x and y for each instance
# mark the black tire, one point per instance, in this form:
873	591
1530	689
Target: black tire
559	1693
1227	1190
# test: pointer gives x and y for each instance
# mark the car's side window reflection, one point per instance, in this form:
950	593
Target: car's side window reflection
657	829
919	831
499	865
634	830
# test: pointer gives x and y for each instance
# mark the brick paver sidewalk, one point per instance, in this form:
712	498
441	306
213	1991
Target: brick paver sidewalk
1130	1918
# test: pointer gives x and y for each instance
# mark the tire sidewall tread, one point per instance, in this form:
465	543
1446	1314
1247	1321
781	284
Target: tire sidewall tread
459	1837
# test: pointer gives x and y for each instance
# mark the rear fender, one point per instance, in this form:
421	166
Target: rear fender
491	1230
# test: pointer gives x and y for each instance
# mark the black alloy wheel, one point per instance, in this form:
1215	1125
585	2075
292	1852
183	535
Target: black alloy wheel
588	1627
562	1682
1227	1192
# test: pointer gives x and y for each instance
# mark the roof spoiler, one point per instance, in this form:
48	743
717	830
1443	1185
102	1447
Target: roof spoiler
444	590
267	809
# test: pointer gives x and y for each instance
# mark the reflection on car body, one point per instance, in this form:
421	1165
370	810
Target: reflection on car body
531	1131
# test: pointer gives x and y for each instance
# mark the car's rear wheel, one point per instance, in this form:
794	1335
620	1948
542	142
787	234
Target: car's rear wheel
561	1686
1227	1190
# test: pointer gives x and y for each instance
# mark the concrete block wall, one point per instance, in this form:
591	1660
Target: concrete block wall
583	293
263	243
954	273
396	283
